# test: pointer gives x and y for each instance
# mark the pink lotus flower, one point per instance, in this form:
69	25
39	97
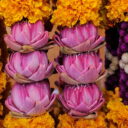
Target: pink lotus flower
80	38
31	99
26	68
80	69
80	101
25	35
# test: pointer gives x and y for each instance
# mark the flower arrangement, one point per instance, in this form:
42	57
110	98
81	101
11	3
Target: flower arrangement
79	68
15	10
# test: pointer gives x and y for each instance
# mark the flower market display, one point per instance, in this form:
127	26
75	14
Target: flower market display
63	64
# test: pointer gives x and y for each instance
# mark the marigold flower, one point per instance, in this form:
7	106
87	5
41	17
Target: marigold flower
2	82
117	111
77	10
68	122
117	10
44	121
15	10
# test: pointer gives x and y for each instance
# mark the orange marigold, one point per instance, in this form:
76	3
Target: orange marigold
68	122
15	10
117	10
43	121
68	13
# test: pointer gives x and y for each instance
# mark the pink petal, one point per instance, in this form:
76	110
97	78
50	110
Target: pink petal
41	42
11	106
12	44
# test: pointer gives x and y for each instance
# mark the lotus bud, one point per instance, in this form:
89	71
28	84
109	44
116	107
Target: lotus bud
80	101
27	36
30	67
80	69
30	99
80	38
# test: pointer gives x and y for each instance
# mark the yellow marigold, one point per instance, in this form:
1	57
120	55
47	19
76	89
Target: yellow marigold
68	122
68	13
44	121
117	10
2	82
15	10
117	112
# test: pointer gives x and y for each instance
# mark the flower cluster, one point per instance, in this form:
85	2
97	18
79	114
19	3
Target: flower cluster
117	10
15	10
44	121
74	11
68	122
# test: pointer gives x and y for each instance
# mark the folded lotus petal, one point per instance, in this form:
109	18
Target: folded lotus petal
85	46
10	70
58	40
80	38
21	99
43	105
89	76
39	74
27	34
63	102
38	43
12	44
97	42
52	98
81	100
11	106
49	69
31	66
98	105
37	110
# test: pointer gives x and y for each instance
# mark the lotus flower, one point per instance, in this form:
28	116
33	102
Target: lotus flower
80	38
31	99
80	101
80	69
27	36
30	67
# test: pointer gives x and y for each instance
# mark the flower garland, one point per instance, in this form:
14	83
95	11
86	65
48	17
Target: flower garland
15	10
117	10
68	13
44	121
